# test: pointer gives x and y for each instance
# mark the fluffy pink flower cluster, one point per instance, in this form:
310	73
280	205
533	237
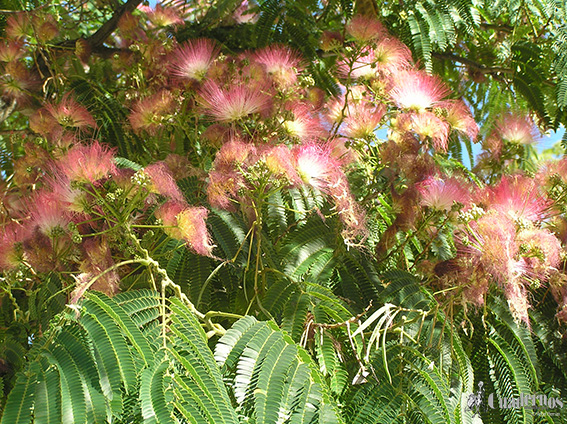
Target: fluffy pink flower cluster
503	238
61	224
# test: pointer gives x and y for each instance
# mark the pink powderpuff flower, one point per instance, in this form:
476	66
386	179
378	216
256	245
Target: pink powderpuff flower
244	14
148	114
417	90
11	50
168	213
429	126
491	241
365	29
222	188
517	296
11	237
279	160
302	123
162	182
71	114
541	249
363	67
234	102
517	129
516	197
282	63
315	165
193	59
392	56
164	16
17	82
48	214
460	118
73	199
234	152
87	164
18	25
193	226
363	119
442	193
350	213
339	150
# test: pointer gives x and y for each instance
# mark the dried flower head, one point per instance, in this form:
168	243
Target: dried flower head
193	59
11	50
417	90
97	259
11	237
234	102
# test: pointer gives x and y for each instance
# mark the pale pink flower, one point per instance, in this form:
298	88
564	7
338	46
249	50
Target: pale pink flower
442	193
223	188
164	16
315	165
429	126
193	59
244	14
279	160
517	129
11	50
516	197
417	90
460	118
541	249
11	237
87	164
279	61
363	67
362	120
167	213
48	214
234	102
150	113
192	225
392	56
365	28
187	223
162	182
302	123
70	114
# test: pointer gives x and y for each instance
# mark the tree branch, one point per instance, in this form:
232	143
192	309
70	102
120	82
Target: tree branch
97	39
474	65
